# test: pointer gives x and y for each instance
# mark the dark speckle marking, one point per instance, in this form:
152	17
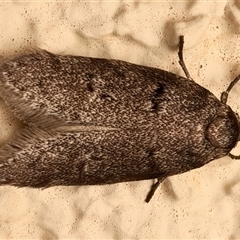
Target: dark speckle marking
90	87
106	96
157	93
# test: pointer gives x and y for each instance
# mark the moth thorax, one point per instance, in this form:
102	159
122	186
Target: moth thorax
223	131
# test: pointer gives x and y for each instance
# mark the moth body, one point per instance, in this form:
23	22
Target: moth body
97	121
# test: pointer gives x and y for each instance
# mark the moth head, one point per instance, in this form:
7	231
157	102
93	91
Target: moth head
224	130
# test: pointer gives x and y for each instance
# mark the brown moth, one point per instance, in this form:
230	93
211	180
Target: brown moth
97	121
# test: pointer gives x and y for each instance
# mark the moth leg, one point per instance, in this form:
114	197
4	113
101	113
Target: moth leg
224	95
234	156
180	55
153	189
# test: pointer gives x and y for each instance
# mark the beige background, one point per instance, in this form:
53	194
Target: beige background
203	203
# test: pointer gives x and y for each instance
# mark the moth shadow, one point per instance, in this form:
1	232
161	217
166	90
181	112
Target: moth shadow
168	190
228	187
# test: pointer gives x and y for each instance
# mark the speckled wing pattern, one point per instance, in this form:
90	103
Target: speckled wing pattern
99	121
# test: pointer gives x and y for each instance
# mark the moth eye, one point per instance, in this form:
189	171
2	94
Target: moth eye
223	131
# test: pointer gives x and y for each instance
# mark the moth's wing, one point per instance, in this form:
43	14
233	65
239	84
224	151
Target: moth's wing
84	99
39	159
46	90
151	116
22	87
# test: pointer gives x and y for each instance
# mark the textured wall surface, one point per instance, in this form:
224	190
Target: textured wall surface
200	204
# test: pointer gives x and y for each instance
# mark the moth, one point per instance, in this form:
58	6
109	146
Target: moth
91	121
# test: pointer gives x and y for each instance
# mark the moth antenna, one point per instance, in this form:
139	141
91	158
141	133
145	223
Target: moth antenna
180	55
